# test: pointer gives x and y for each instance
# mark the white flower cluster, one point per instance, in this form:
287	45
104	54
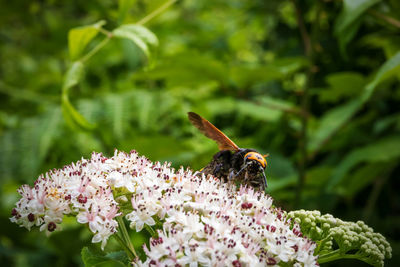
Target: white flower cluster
204	222
80	190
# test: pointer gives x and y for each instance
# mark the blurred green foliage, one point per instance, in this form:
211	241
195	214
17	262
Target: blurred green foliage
312	83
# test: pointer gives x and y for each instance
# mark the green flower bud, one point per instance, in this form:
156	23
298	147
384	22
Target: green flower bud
352	238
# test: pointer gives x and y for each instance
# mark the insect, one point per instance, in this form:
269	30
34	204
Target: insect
231	163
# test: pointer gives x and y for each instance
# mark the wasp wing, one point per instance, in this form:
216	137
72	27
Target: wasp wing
212	132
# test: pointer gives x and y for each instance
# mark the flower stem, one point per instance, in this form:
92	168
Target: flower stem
105	32
96	49
336	255
125	235
150	230
320	243
331	256
156	12
125	247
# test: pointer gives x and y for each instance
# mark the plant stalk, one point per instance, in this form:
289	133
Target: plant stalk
156	12
131	256
96	49
335	255
150	230
125	235
321	243
307	43
308	40
390	20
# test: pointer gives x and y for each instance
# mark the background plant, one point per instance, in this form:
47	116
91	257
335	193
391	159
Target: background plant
313	83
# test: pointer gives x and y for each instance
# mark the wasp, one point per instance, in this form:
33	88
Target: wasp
231	163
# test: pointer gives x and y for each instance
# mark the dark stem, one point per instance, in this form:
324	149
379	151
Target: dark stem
303	148
308	41
392	21
303	105
303	30
374	195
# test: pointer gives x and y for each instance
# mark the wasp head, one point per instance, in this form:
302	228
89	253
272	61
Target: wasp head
255	164
255	157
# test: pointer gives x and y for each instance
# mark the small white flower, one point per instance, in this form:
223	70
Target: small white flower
140	216
102	236
90	217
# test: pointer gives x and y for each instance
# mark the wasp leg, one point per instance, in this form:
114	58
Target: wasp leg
232	174
217	169
241	170
246	176
265	184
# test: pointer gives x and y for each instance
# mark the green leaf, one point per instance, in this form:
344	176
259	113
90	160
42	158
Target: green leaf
213	106
384	123
71	115
80	37
338	116
355	181
352	10
331	122
318	176
278	183
139	35
380	151
349	21
280	172
74	119
144	144
347	35
73	76
115	106
260	112
123	8
90	258
244	75
346	81
263	112
289	65
387	70
342	85
279	104
49	128
182	69
390	44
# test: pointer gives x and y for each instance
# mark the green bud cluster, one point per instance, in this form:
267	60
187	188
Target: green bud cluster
337	239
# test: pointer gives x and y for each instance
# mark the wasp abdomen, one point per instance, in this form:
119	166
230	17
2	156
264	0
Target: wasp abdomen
220	165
